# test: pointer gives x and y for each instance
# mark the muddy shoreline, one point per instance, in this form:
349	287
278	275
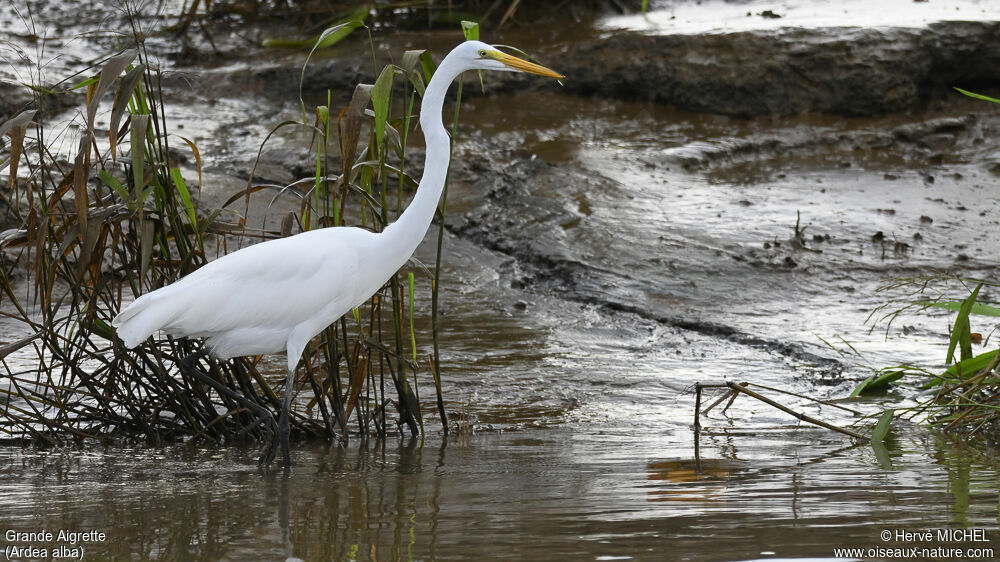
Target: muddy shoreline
841	71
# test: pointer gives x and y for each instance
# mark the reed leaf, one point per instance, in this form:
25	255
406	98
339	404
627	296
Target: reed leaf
330	36
977	308
412	66
380	94
15	128
882	427
81	170
185	195
109	72
123	94
961	335
977	96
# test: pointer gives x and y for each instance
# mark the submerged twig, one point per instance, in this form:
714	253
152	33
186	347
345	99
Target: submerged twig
741	388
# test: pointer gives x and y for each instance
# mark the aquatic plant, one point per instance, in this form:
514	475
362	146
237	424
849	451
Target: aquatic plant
967	395
124	218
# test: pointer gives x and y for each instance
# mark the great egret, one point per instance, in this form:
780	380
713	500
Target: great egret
281	293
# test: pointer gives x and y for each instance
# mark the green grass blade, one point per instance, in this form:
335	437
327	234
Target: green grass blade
114	184
427	65
977	96
470	30
882	427
961	335
863	386
977	308
122	96
330	36
969	366
410	63
381	93
877	381
185	196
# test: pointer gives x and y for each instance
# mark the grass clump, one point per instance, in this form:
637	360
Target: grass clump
965	396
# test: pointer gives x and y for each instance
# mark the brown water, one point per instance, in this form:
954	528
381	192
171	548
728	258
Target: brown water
536	495
578	389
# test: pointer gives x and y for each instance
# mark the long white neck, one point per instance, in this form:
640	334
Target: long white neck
404	235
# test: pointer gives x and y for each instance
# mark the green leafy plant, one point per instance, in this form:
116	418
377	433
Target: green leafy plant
969	388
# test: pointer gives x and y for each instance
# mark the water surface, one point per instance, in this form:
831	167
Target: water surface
538	495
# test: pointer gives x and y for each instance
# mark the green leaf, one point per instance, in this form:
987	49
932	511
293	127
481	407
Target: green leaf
876	381
114	184
137	131
977	96
977	308
40	89
882	427
329	36
881	455
409	64
961	336
102	329
966	368
470	30
428	66
380	102
185	195
85	83
122	96
407	180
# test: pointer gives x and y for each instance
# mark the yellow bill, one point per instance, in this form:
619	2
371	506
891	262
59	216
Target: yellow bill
523	65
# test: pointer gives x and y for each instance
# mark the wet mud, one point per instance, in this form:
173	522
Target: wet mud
840	71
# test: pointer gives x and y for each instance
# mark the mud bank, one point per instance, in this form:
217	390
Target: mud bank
842	71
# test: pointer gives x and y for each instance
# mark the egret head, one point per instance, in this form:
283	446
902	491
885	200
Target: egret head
477	55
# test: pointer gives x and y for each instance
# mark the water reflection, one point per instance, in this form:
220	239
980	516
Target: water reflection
522	495
693	480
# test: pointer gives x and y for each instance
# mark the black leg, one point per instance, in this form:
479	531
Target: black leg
283	437
263	416
284	428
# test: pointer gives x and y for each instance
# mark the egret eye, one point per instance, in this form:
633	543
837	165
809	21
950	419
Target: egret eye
482	53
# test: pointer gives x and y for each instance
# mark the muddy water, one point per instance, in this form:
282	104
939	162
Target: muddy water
601	257
537	495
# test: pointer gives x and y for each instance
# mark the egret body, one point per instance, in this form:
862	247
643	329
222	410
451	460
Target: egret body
279	294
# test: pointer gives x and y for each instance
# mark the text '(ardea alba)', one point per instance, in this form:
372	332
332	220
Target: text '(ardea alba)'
281	293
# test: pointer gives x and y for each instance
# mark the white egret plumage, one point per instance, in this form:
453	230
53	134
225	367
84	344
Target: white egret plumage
279	294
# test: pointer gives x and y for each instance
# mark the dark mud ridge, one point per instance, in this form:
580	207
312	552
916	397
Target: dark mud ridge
843	71
514	222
